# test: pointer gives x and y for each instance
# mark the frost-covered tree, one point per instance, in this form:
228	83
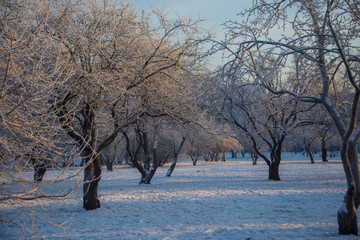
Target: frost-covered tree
120	66
253	111
326	36
30	135
98	67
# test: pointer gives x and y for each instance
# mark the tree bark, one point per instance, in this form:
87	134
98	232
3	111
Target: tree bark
274	171
323	150
92	176
154	165
145	146
347	215
275	160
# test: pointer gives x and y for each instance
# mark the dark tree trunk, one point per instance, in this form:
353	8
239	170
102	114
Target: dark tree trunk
217	156
92	176
145	146
274	171
176	155
212	156
254	157
275	160
347	214
109	165
206	157
323	150
223	156
154	166
40	168
171	168
243	152
194	158
233	154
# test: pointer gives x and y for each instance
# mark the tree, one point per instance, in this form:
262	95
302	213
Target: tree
263	117
177	141
325	34
119	67
30	135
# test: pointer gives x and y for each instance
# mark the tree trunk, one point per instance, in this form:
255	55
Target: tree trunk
347	214
254	157
323	150
109	165
233	154
223	156
176	155
145	146
40	168
217	156
275	161
243	152
171	168
310	153
212	156
274	171
206	157
92	175
354	164
154	166
195	158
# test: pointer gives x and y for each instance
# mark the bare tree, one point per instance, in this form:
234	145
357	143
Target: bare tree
30	135
325	34
119	68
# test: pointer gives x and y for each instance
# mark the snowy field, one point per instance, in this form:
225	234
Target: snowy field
223	200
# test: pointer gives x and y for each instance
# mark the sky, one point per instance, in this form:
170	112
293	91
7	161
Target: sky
215	12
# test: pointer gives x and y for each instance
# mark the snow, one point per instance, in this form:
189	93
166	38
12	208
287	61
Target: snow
222	200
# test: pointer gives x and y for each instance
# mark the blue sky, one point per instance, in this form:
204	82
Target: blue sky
215	12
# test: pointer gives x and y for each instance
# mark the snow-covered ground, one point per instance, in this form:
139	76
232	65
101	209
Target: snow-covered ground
223	200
